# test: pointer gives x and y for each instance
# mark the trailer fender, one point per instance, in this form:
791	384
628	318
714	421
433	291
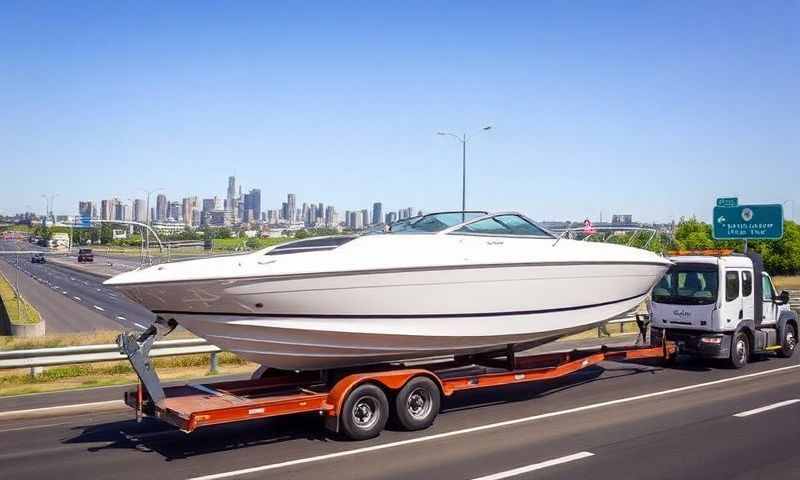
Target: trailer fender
390	380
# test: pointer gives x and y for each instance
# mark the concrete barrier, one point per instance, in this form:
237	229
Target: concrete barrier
28	330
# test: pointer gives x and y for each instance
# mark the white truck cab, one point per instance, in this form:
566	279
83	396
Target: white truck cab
717	304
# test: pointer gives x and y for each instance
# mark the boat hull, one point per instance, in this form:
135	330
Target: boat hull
321	321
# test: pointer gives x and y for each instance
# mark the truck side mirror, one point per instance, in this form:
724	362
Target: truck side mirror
783	298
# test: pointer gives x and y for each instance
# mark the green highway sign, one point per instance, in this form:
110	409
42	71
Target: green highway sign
727	202
748	222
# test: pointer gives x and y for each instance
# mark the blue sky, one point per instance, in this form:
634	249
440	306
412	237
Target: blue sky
649	108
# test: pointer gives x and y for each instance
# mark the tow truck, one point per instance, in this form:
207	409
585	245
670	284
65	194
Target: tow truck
717	304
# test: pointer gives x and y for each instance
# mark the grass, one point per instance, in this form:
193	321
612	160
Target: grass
15	308
782	282
98	337
70	377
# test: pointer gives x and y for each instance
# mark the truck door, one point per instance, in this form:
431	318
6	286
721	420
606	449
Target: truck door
748	298
732	307
770	309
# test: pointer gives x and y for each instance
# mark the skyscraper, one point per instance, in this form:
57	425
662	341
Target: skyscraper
161	207
290	205
364	217
106	210
377	213
252	204
232	200
189	206
139	210
86	209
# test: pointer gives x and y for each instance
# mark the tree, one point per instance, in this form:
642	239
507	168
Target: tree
106	233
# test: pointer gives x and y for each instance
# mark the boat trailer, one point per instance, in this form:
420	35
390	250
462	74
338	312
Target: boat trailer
354	402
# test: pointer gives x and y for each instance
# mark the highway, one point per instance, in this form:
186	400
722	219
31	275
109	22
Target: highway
70	300
612	421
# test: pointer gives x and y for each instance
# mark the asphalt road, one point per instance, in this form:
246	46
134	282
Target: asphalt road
612	421
72	301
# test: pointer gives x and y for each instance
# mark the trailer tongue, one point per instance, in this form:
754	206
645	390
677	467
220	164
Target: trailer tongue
354	402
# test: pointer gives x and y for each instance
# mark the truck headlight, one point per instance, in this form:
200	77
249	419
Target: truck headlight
711	340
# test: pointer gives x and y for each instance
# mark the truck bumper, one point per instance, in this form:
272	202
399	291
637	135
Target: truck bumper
697	344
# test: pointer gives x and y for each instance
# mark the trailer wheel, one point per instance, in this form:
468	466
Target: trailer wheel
740	350
789	342
365	412
417	404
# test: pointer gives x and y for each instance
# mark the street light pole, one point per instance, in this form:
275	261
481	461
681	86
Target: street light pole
463	140
148	220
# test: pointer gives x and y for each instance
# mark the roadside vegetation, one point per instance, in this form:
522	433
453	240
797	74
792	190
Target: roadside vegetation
69	377
15	308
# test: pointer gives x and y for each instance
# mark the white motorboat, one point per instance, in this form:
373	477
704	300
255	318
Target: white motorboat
446	283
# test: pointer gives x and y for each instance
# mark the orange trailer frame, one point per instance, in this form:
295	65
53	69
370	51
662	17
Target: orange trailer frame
278	393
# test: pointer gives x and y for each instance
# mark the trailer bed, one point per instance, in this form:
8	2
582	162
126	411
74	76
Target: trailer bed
283	393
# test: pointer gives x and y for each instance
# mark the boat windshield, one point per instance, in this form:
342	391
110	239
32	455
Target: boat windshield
433	222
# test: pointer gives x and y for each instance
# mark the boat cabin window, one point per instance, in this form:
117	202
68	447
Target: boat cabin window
504	225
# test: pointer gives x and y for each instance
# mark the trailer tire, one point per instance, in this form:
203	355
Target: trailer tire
364	412
789	341
417	404
740	350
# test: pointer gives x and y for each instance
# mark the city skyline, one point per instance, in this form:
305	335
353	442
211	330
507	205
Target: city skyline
239	207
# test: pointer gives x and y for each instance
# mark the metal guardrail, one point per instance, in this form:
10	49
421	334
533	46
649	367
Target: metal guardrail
49	357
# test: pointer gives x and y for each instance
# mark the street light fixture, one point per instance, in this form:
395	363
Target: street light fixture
463	139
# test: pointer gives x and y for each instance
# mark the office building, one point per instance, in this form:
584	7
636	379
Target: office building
139	211
86	209
252	204
161	207
291	207
232	200
390	218
189	206
377	213
364	218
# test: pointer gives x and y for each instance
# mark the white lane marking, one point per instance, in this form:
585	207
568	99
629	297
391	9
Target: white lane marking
140	325
65	409
536	466
120	317
64	292
490	426
767	408
32	427
99	308
77	298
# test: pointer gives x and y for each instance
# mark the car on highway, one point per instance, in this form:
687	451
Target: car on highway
38	258
85	255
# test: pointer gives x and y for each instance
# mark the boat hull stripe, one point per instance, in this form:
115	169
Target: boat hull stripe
397	316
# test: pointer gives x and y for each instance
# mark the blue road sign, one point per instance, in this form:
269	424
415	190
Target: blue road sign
727	202
748	222
86	221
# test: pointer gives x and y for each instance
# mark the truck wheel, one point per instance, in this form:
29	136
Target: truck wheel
365	412
417	404
789	342
740	350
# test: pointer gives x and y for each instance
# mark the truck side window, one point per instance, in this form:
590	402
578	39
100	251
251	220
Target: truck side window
747	283
766	288
731	286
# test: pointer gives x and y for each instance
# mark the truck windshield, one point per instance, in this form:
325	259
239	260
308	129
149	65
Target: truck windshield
688	285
